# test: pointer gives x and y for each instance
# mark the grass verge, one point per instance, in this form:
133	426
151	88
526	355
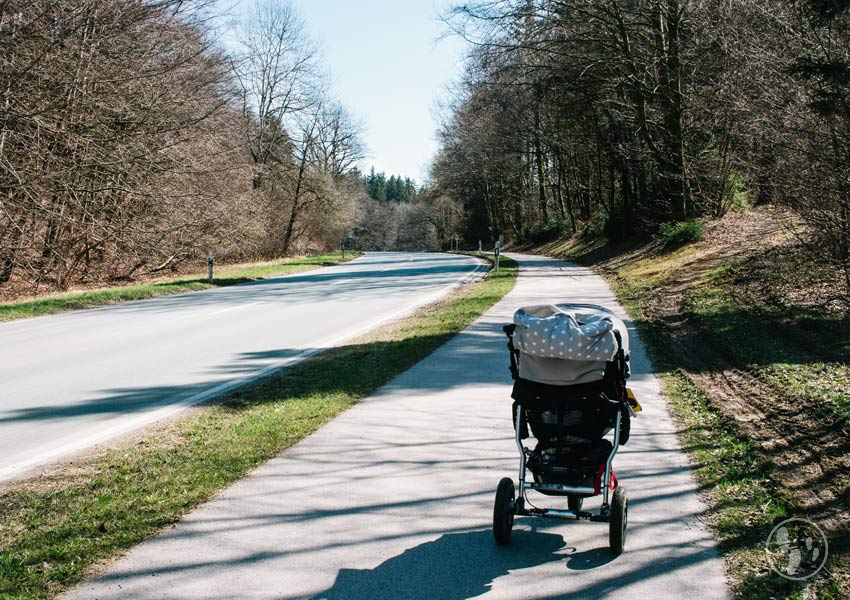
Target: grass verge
736	475
752	351
57	528
230	275
734	478
760	341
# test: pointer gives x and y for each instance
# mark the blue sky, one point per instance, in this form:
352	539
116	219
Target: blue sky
389	69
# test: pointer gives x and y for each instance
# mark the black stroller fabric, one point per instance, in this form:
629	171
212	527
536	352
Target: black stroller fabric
572	415
578	466
569	423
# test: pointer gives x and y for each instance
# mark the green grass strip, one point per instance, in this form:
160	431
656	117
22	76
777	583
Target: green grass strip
743	500
753	340
736	484
54	529
223	277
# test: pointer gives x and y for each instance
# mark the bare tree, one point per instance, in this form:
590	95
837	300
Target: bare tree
339	145
277	73
627	113
105	105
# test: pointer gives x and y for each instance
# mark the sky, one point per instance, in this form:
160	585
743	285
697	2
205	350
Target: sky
389	69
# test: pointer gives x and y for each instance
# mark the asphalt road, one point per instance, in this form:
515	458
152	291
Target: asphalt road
393	500
71	381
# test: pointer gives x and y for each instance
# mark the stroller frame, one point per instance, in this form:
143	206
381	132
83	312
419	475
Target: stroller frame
510	504
605	486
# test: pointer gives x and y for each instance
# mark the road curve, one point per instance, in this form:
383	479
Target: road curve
74	380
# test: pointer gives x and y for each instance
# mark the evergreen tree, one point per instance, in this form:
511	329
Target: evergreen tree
393	189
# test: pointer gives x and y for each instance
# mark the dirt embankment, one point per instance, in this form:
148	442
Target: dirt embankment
762	327
806	443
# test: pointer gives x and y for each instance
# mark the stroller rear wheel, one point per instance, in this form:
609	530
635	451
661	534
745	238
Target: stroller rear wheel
618	521
503	511
574	502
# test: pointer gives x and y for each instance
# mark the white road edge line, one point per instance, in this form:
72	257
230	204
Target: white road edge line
104	435
15	323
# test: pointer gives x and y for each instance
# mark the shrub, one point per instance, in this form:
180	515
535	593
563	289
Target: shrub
595	228
679	234
547	232
740	197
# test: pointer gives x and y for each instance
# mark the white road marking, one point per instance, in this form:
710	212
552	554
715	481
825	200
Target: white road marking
224	310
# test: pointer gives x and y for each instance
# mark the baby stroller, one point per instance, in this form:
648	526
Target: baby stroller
569	363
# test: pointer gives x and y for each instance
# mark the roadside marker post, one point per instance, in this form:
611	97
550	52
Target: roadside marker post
498	252
347	241
210	267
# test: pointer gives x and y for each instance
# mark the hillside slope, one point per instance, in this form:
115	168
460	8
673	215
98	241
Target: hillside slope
753	335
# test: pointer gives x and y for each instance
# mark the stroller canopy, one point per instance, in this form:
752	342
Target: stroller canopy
566	344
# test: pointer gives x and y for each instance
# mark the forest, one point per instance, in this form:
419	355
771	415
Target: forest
624	118
134	141
390	189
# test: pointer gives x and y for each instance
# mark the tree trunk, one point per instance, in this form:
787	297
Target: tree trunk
674	164
538	159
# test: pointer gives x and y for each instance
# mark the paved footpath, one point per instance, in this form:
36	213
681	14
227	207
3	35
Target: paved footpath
393	499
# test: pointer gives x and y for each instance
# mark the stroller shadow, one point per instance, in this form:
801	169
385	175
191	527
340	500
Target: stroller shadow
453	567
590	559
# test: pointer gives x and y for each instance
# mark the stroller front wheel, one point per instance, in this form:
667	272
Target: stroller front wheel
618	520
503	511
